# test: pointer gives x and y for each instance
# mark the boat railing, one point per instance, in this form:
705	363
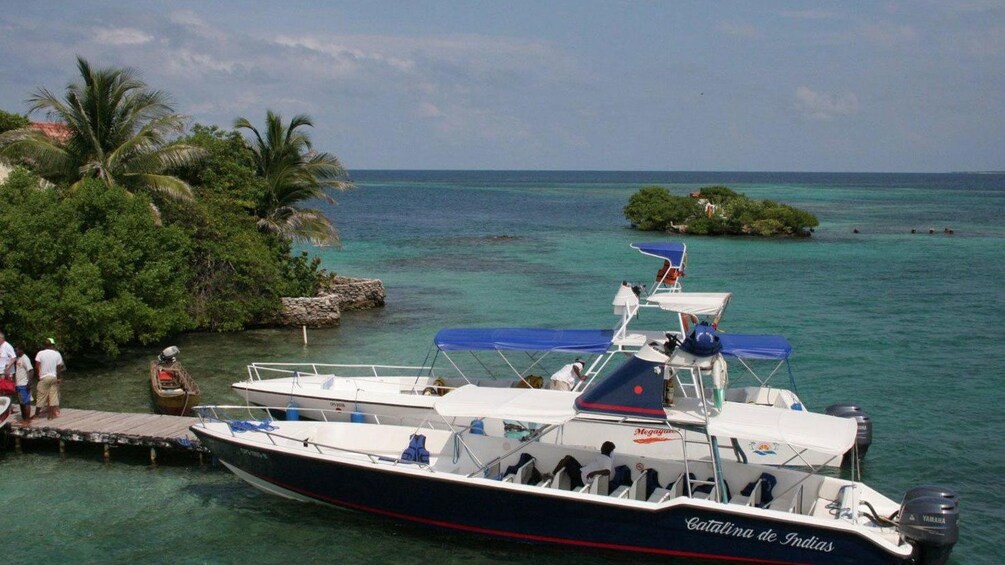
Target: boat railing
226	413
274	370
264	427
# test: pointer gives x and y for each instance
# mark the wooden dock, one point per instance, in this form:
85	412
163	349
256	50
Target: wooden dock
111	429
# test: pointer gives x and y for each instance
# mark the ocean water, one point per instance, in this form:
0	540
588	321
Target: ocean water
908	325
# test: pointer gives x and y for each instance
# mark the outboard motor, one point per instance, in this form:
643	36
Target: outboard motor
929	521
167	356
863	438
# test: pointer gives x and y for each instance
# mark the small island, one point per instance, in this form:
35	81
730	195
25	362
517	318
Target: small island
121	225
715	210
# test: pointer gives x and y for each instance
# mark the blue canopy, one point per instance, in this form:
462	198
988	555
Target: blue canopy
524	339
673	252
633	389
746	346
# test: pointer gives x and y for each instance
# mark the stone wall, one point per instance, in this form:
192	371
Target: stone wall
356	294
325	310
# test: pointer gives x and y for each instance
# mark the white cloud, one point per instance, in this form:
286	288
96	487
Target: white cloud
740	30
889	35
121	36
811	14
194	23
349	57
821	106
428	110
186	61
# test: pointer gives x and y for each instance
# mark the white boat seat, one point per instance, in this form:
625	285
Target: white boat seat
561	480
639	486
786	503
705	495
599	485
621	492
755	494
524	472
660	495
492	471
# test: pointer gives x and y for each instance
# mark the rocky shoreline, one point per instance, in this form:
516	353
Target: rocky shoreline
325	310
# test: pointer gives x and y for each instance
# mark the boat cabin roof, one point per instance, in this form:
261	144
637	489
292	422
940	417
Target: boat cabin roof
524	339
696	303
750	346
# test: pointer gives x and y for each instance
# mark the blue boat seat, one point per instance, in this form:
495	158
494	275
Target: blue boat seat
522	472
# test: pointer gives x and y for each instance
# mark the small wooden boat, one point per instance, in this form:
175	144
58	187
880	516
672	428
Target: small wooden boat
174	391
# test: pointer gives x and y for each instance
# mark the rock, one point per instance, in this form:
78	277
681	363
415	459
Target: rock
338	295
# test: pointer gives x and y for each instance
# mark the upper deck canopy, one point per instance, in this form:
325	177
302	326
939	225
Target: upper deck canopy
673	252
748	346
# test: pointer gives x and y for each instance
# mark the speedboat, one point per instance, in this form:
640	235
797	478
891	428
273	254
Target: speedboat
403	393
460	479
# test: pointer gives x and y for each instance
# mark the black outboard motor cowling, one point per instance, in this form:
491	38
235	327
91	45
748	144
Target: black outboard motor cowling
929	520
167	356
863	439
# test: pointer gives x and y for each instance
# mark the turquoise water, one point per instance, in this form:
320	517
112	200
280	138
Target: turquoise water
909	325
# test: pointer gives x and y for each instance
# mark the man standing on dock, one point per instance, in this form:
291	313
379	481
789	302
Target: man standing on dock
49	367
7	358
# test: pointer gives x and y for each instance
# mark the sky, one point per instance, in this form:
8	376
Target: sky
867	86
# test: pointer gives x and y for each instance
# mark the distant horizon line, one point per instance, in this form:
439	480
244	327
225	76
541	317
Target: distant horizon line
988	172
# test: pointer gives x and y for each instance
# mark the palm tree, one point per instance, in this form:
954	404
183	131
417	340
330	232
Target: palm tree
294	172
117	131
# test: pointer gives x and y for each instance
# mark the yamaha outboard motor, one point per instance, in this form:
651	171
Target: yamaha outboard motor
167	356
929	521
864	437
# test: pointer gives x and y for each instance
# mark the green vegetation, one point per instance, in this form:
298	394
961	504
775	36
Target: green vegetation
10	121
716	210
293	172
85	261
118	132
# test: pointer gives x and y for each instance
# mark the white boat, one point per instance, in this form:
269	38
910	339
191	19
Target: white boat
402	393
464	480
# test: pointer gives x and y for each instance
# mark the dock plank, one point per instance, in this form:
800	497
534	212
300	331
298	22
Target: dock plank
113	428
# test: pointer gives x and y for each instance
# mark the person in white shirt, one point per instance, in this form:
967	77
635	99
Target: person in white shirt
22	384
568	376
7	357
49	367
579	475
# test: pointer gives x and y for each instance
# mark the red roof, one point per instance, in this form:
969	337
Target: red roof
53	130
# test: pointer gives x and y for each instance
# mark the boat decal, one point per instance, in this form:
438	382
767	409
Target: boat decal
630	409
729	529
652	435
763	447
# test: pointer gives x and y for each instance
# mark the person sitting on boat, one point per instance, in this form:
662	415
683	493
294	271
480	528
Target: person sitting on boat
579	475
668	273
568	376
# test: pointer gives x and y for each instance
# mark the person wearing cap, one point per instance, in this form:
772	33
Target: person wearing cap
569	376
49	367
